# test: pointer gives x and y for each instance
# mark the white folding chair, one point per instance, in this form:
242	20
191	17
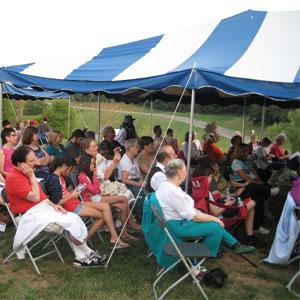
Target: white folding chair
185	251
42	237
289	285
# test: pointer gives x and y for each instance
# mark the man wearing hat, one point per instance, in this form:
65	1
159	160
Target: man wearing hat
127	130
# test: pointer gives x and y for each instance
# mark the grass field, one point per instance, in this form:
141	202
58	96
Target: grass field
131	274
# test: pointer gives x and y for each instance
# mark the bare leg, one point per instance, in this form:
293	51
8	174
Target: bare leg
250	218
97	215
107	215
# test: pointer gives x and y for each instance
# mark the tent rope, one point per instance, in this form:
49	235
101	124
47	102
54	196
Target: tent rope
80	113
164	136
12	107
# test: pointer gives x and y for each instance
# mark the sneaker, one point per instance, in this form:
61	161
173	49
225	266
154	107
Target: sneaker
262	230
87	262
241	248
99	256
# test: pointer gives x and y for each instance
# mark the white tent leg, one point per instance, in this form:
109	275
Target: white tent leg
190	140
262	129
99	118
1	90
244	118
151	115
69	117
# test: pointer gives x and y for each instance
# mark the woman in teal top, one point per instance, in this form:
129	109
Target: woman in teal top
55	148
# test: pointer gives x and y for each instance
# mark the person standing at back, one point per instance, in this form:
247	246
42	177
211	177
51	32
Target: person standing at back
127	131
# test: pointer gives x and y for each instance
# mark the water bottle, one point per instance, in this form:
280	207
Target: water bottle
240	202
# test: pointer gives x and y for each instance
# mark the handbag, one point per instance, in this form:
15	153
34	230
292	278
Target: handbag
112	188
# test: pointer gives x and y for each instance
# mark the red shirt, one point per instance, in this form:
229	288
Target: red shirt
92	187
71	204
200	189
277	150
212	151
18	186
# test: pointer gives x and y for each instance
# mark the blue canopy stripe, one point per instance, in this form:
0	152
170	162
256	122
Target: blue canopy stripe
253	52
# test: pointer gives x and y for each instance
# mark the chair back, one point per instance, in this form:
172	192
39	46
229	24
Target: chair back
297	212
7	206
200	189
43	186
158	216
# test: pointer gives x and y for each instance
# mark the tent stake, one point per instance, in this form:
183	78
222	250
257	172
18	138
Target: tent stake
244	118
263	119
190	141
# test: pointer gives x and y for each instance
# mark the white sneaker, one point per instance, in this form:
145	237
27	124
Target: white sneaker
262	230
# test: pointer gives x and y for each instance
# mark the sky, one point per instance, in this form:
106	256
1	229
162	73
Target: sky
40	30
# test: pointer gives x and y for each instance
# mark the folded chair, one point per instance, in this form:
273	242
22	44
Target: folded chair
183	252
289	285
38	240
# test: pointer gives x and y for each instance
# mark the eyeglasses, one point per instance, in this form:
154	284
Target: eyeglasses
13	134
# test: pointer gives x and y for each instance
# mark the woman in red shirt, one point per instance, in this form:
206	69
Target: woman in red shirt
277	150
211	150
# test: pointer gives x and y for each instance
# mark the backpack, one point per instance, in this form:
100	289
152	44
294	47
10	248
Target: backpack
215	278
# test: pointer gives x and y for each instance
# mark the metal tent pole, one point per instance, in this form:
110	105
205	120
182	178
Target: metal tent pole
99	118
151	115
190	140
262	129
1	90
244	118
69	117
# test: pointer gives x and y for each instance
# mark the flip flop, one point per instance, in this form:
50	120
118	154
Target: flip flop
120	246
130	238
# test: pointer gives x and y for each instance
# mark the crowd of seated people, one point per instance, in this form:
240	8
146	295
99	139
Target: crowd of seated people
122	169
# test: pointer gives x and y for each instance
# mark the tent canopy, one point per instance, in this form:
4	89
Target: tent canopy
254	52
30	94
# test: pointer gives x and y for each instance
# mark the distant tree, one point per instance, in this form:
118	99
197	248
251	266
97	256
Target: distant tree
290	129
274	114
57	113
35	107
8	108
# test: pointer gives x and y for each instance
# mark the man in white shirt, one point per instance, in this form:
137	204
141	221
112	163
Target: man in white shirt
157	174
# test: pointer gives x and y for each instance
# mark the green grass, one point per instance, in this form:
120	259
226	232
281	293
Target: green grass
89	118
131	274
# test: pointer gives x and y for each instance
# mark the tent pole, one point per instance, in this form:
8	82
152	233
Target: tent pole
99	118
244	118
190	141
69	117
151	115
263	119
1	99
1	90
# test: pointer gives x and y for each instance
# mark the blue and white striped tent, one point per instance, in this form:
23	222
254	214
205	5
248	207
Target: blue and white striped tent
253	52
30	94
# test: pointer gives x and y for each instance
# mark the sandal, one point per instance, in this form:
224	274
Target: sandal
121	245
130	238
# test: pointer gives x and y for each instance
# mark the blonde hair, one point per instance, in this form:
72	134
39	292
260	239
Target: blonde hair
52	136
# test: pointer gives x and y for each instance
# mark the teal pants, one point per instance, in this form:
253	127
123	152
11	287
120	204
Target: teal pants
212	233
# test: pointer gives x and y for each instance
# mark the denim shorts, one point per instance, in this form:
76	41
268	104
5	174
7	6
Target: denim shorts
78	209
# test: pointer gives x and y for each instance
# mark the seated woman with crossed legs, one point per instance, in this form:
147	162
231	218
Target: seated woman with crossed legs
184	220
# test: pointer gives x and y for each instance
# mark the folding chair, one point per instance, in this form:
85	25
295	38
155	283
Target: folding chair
43	236
185	251
289	285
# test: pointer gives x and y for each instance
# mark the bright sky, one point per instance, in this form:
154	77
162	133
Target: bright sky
35	30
